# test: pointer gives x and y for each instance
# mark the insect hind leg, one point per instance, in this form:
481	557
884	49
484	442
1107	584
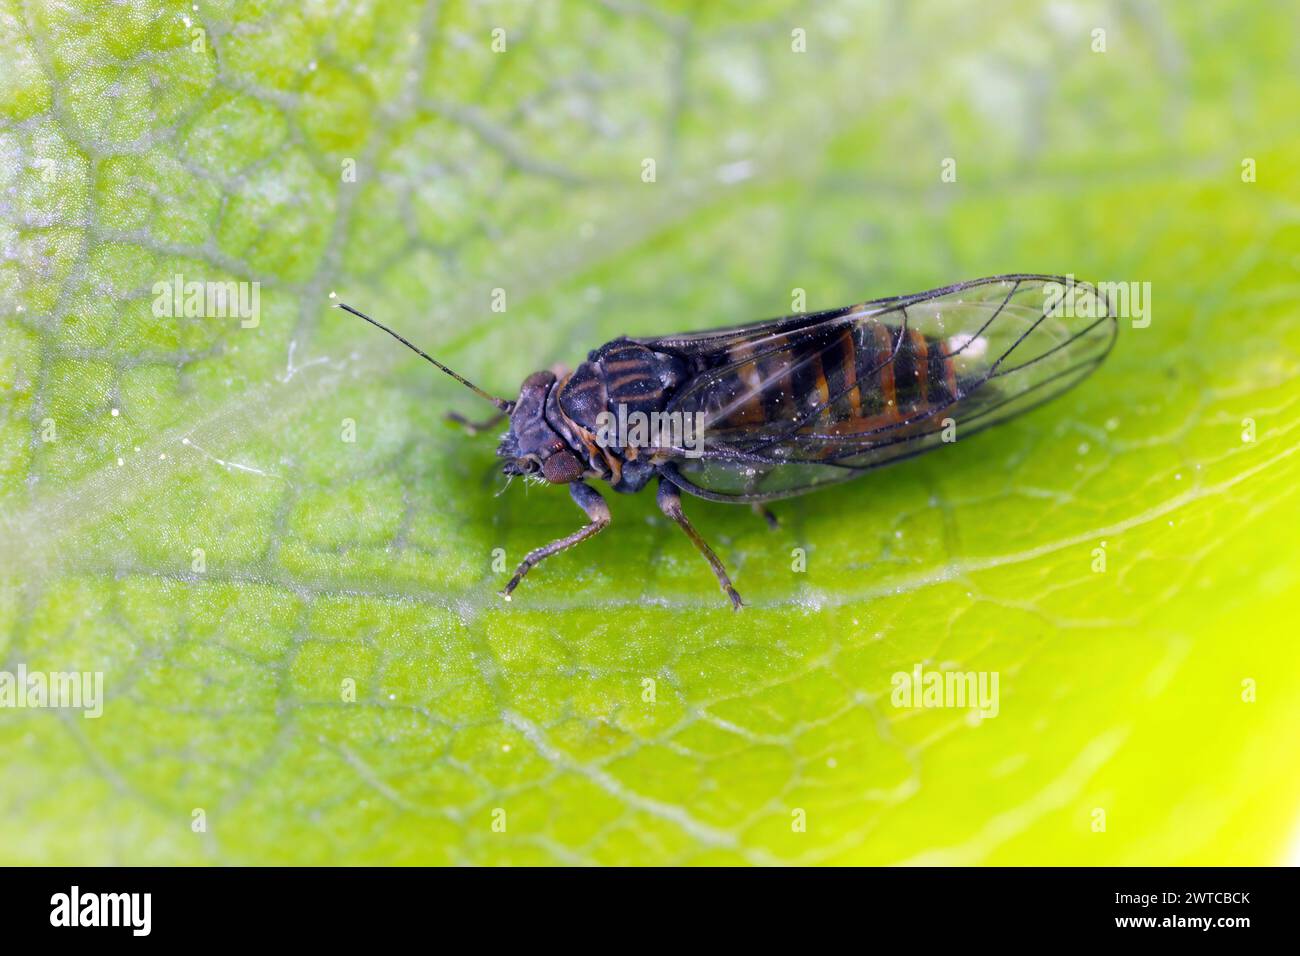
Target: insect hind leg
765	513
590	501
669	500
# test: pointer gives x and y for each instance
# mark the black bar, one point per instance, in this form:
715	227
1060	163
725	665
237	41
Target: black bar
333	906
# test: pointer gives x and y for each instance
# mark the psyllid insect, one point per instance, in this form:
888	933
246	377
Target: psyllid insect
753	413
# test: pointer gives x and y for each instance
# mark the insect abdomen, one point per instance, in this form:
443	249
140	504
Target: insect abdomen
849	378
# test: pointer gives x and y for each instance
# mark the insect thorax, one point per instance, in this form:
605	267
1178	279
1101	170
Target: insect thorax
619	381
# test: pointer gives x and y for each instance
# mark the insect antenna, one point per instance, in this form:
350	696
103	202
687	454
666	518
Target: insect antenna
500	403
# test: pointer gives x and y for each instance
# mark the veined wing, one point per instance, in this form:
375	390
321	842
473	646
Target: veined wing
787	406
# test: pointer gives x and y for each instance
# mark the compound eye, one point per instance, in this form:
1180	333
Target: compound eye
562	468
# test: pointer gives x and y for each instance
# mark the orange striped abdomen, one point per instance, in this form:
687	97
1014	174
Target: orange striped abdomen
847	379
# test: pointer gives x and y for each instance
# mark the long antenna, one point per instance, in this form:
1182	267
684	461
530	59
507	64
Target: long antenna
500	403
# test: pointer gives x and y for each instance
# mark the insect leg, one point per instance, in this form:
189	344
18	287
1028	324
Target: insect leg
474	427
765	513
669	500
590	501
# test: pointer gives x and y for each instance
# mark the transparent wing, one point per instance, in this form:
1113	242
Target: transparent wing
791	408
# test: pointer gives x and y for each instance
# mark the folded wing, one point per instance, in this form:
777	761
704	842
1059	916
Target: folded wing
796	403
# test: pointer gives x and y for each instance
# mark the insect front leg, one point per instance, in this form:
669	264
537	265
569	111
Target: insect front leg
590	501
474	427
669	500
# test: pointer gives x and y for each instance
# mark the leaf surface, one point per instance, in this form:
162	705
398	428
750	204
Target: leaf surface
617	711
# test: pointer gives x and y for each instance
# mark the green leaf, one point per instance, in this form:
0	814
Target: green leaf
617	711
